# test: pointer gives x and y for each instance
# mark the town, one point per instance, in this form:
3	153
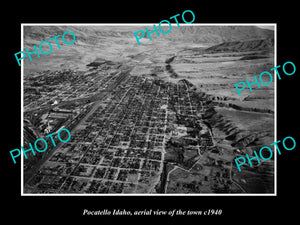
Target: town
130	134
122	135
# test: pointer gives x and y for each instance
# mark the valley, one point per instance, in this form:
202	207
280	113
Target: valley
160	118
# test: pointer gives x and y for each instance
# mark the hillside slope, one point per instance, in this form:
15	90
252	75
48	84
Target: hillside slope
194	34
242	46
217	34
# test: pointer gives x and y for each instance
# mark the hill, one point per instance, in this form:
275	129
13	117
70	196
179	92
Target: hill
216	34
118	44
194	34
242	46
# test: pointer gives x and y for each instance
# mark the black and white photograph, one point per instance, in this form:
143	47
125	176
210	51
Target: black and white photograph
136	113
155	115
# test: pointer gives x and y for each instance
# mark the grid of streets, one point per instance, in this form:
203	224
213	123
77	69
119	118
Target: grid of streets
118	144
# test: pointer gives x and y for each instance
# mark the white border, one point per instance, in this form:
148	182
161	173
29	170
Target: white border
149	24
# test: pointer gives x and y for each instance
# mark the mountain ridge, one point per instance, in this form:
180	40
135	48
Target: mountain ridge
193	34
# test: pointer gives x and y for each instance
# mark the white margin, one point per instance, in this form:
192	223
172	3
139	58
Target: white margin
151	24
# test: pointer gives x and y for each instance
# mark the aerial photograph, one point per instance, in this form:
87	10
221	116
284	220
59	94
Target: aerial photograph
162	117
